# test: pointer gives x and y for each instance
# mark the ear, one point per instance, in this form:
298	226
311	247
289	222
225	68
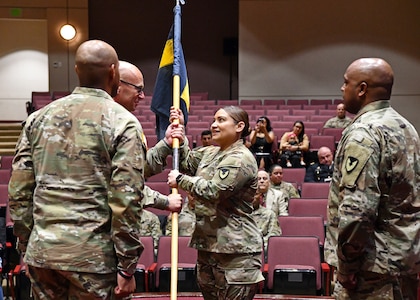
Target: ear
240	126
363	88
112	73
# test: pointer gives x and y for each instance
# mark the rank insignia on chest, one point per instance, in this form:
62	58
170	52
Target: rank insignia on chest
223	173
351	163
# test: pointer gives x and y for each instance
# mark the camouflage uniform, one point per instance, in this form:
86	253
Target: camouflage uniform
374	207
276	201
223	184
150	226
267	222
287	188
336	122
78	169
186	221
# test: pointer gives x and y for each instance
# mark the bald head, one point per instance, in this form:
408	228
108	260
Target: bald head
97	66
131	83
325	156
366	80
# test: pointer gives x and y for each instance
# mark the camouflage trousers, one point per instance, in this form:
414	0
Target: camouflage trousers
379	286
57	284
228	276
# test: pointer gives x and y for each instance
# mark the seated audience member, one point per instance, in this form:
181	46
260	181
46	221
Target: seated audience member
339	121
270	198
261	139
322	171
186	219
266	220
292	140
206	139
150	226
293	152
277	183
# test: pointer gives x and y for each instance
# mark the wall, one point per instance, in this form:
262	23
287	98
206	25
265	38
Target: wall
138	31
37	25
300	49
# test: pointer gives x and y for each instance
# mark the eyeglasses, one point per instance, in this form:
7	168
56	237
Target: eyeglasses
139	89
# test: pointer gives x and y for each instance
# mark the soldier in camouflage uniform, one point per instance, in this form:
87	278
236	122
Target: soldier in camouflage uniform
186	219
267	221
277	183
77	186
339	121
373	232
270	198
150	226
223	181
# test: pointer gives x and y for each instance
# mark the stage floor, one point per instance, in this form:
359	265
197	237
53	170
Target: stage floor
197	296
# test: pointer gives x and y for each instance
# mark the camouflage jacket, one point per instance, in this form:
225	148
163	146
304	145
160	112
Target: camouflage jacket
287	188
150	226
223	184
76	186
267	222
374	205
337	122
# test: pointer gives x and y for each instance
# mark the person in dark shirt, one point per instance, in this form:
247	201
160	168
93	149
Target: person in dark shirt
322	171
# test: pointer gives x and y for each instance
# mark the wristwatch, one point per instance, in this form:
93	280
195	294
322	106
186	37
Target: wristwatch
178	178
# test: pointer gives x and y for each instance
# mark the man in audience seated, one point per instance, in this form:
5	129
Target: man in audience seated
339	121
186	219
266	220
272	199
206	139
277	183
150	226
323	170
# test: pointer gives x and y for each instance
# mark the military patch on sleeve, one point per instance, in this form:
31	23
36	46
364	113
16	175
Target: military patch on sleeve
223	173
356	157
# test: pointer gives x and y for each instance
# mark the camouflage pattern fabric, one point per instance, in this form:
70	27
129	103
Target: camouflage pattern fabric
336	122
53	284
186	221
150	226
77	185
223	186
228	276
268	223
154	199
288	190
374	205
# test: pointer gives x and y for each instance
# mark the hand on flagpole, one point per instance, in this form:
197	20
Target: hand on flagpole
174	202
174	131
173	174
176	113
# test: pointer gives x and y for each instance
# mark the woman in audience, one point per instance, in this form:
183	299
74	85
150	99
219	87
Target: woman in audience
294	152
223	181
262	138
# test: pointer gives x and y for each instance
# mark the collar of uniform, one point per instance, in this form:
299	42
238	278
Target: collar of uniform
376	105
92	92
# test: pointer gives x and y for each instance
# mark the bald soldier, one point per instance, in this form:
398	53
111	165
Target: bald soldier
340	120
76	187
373	231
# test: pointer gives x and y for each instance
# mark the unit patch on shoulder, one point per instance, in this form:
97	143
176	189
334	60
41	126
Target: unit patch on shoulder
355	158
223	173
351	163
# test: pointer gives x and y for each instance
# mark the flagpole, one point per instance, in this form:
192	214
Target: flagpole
175	163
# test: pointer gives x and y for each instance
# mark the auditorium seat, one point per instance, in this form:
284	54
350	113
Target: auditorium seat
146	266
294	175
308	207
294	265
6	161
315	189
187	260
318	141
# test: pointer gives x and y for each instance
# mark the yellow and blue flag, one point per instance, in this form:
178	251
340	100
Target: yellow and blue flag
172	63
